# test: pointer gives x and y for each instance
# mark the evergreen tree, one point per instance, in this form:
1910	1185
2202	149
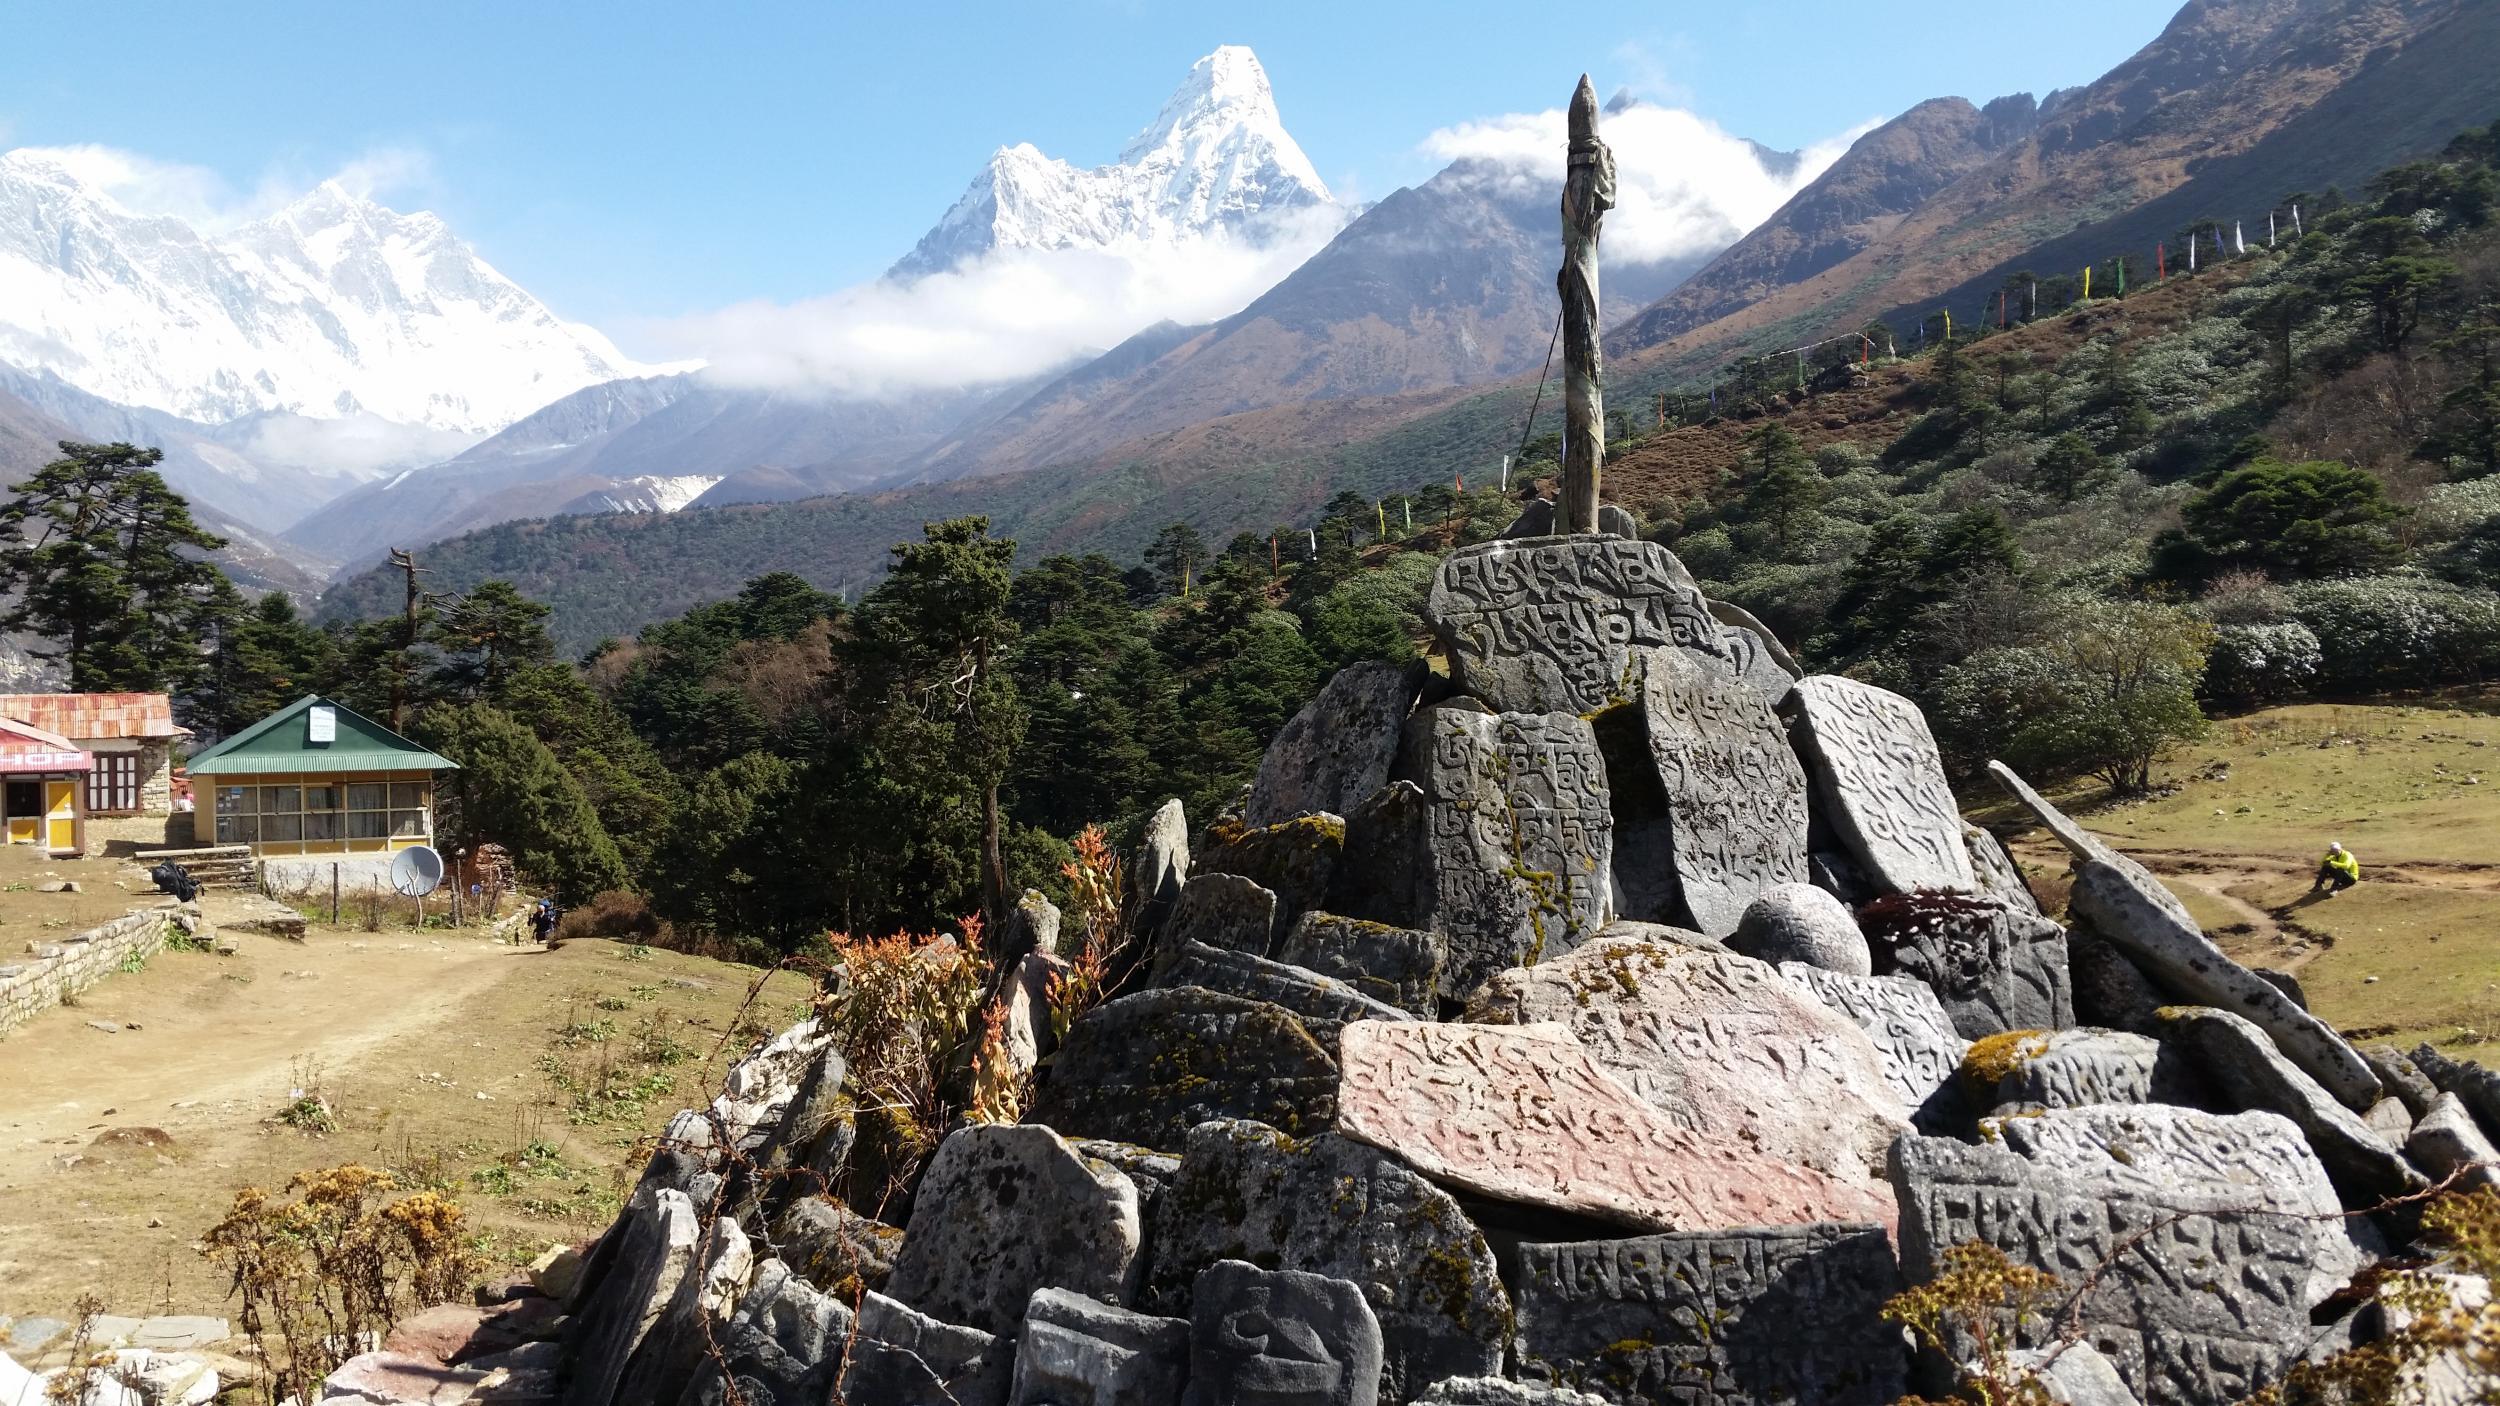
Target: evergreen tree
511	790
2069	468
102	562
485	636
1177	556
262	656
1786	493
2473	405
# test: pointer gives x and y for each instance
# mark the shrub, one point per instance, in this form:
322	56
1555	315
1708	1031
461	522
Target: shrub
2106	694
616	914
2307	519
2245	597
901	1011
2262	663
2400	630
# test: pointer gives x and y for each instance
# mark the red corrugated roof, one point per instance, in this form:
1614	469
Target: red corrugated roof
92	715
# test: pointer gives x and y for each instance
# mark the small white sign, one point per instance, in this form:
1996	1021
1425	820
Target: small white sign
323	725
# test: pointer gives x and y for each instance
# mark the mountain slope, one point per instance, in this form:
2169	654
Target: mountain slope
1216	160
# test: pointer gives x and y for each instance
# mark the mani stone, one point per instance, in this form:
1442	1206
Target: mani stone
2110	990
1162	863
1005	1210
2447	1140
1734	796
2073	1068
1324	1004
1736	617
1077	1352
1296	859
783	1347
1338	750
1995	968
1721	1046
1223	910
1993	865
1551	624
1330	1206
1518	838
1495	1391
654	1249
906	1358
1755	655
1149	1067
2147	922
2476	1087
1522	1114
1882	784
2402	1078
1280	1337
1801	923
2246	1161
1715	1318
2200	1297
2248	1071
1398	966
1920	1050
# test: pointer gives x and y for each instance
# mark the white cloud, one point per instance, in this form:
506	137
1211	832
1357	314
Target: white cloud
211	204
1683	186
1009	315
358	445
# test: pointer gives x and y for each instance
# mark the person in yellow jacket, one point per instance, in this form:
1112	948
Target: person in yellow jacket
2338	871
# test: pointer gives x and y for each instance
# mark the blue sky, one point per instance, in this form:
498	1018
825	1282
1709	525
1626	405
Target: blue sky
629	161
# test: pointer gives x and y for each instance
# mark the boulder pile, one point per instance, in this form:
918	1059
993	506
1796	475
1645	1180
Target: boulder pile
1619	1018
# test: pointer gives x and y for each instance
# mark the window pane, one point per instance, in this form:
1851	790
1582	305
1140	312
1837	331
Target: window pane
368	825
238	829
282	827
408	822
406	794
368	795
281	800
317	798
321	826
238	800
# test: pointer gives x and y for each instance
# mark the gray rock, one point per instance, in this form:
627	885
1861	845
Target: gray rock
32	1334
1550	624
1715	1318
783	1347
1995	967
1005	1210
1736	617
1801	923
1147	1170
2208	1310
1732	795
1398	966
1032	927
1613	521
2401	1077
1296	859
1518	838
761	1086
1028	1032
834	1247
2286	983
1162	864
1324	1004
1534	520
2130	907
679	1340
1877	774
1380	877
1920	1049
2476	1087
809	1148
2110	990
1330	1206
1280	1337
2178	1155
180	1332
654	1252
1722	1044
1147	1068
904	1358
1223	910
2073	1068
1337	751
1077	1352
2074	1375
2247	1070
1494	1391
1992	864
2391	1120
2448	1140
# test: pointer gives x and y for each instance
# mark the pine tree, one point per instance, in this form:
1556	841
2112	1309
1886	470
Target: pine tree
511	790
103	563
485	636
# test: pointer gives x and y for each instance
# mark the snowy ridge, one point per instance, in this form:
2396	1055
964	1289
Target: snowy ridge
645	493
1215	160
334	306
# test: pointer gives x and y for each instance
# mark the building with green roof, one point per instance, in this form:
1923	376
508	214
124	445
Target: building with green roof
318	778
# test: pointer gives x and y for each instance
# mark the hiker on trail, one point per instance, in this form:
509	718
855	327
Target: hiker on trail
543	922
2338	871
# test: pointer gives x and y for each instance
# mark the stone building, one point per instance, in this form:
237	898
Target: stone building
127	791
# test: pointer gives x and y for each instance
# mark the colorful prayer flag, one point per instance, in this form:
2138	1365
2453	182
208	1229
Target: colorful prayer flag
2087	283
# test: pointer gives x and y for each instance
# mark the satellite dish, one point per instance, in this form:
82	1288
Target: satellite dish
416	871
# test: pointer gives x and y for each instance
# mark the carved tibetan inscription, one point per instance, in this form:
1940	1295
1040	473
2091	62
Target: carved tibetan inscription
1518	838
1551	624
1877	764
1736	798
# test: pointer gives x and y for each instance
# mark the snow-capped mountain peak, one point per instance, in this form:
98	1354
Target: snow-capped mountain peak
1216	160
334	305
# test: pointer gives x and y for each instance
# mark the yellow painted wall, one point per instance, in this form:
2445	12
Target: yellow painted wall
207	788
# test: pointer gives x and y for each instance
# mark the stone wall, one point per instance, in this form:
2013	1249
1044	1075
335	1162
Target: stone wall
34	982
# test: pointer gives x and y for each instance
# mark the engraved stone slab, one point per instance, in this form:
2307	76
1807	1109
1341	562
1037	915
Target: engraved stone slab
1401	966
1223	910
1297	860
1004	1210
782	1347
1739	619
2234	1161
1920	1049
1324	1004
1996	968
1338	750
1380	877
1802	923
1715	1318
1280	1337
2073	1068
1876	767
1523	1114
1077	1352
1149	1067
2204	1308
1735	796
2249	1072
905	1358
2152	928
1518	838
1335	1207
1722	1046
1549	624
1494	1391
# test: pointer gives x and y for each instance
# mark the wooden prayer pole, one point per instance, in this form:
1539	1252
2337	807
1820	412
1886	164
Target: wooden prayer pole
1588	193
